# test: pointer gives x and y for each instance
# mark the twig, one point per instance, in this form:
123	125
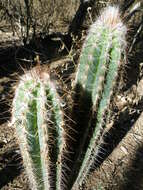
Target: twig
140	27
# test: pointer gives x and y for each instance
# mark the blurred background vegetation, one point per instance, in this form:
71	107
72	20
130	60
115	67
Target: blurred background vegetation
27	17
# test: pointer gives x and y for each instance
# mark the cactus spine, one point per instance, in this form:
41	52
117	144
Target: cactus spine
38	121
97	74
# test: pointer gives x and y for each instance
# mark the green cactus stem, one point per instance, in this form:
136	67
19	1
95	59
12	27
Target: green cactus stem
38	121
97	74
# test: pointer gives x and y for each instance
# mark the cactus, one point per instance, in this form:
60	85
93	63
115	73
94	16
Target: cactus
97	75
38	121
38	118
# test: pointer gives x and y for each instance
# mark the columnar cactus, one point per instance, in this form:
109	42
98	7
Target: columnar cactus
38	118
97	75
38	121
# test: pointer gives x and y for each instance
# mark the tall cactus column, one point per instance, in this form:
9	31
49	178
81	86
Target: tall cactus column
38	121
97	74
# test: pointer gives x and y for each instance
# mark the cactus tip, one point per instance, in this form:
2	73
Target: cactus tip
111	18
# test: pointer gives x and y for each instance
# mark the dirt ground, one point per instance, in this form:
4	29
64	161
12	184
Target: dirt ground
119	161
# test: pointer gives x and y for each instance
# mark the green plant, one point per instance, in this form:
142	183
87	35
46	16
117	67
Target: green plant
97	76
38	118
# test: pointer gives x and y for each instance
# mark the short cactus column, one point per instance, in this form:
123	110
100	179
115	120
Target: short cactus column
38	121
97	75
